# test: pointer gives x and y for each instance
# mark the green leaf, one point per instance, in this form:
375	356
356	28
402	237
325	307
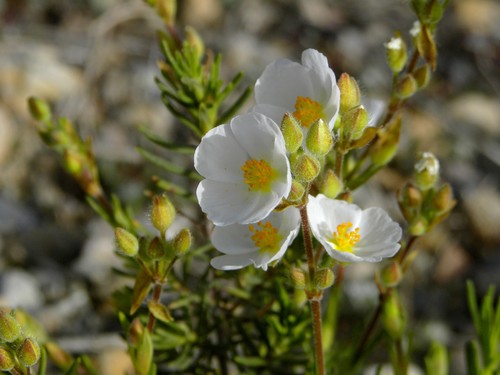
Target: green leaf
72	370
42	364
168	166
159	311
250	361
173	188
473	361
141	290
144	355
181	149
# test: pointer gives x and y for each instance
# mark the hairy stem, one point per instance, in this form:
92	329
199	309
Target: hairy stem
318	339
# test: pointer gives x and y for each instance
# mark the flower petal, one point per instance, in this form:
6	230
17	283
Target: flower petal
230	262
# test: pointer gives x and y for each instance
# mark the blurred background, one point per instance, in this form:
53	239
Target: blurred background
95	62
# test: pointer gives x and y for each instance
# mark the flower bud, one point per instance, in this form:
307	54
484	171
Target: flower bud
331	185
392	316
391	275
292	133
350	96
28	352
156	250
73	162
426	171
422	75
406	87
7	359
354	122
182	242
426	46
296	192
127	242
167	10
162	213
306	168
436	361
396	53
39	109
411	196
443	199
298	277
324	278
194	41
386	145
10	329
319	139
418	227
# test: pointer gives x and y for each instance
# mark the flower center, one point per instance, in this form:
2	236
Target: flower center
345	239
307	111
258	174
265	237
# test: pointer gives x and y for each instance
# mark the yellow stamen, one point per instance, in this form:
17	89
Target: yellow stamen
307	111
345	239
267	238
258	174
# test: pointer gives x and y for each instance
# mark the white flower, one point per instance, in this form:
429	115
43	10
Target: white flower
246	170
259	244
309	90
350	234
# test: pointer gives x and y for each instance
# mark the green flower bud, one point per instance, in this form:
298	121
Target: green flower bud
319	139
182	242
354	122
396	53
306	168
7	359
156	250
350	96
167	10
10	329
391	275
443	199
392	316
127	242
39	109
331	185
406	87
298	277
386	145
436	361
426	171
28	353
411	196
418	227
422	75
162	213
194	41
296	192
426	46
292	133
73	162
324	278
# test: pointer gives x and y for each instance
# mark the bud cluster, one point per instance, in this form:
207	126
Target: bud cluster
423	203
18	350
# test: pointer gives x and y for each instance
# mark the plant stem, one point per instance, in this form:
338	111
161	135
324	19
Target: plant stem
314	295
156	297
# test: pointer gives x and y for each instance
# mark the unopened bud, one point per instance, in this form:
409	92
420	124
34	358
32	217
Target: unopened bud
354	122
426	171
411	196
306	168
392	316
331	185
422	75
396	53
391	275
426	46
28	352
39	109
9	327
436	361
418	227
73	162
194	41
406	87
167	10
182	242
298	277
324	278
296	192
7	359
350	96
443	199
319	139
156	249
162	213
127	242
292	133
386	145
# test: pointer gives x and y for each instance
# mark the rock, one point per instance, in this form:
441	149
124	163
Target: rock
483	207
18	288
478	110
478	16
8	135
